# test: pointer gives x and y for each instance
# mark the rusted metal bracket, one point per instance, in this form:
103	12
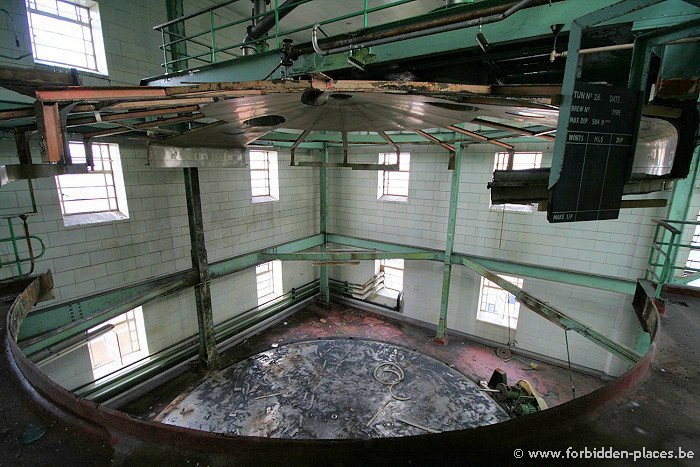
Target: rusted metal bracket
477	136
296	144
514	129
442	144
52	143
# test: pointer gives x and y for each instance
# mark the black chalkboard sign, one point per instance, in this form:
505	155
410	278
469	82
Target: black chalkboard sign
597	155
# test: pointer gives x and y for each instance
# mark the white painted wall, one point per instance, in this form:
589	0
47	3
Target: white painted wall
616	248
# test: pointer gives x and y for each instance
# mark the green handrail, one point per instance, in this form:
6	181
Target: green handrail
14	239
215	46
664	248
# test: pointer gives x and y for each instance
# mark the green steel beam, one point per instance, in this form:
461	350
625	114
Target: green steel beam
379	245
449	245
610	284
323	220
563	276
528	24
238	263
324	256
555	316
49	326
208	353
46	327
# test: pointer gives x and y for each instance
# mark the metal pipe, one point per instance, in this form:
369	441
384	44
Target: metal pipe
263	25
421	29
608	48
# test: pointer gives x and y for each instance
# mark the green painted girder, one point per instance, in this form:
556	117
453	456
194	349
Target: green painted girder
610	284
46	327
228	266
380	246
449	243
324	256
526	24
554	315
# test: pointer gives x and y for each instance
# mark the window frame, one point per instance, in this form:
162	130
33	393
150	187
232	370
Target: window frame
504	161
138	332
113	178
381	265
384	177
92	24
269	271
507	319
271	175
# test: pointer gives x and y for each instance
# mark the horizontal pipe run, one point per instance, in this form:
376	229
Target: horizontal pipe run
478	17
186	348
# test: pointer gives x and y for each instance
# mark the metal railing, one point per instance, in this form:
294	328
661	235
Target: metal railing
212	38
666	264
15	241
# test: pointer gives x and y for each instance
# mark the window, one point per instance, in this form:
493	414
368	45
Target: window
393	185
67	34
97	196
498	306
393	273
264	179
693	261
123	345
518	161
268	277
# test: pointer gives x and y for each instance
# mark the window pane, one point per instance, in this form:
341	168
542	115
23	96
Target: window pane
498	306
395	183
61	33
90	192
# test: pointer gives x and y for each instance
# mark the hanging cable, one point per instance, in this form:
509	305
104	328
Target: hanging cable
568	358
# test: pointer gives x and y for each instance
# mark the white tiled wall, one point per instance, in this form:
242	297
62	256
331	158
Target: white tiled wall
155	240
616	248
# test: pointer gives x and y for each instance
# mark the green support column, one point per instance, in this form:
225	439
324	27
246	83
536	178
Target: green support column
323	176
441	337
175	9
208	353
